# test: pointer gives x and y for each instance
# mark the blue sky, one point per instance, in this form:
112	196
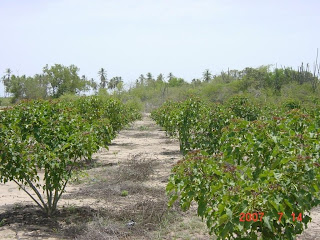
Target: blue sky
130	37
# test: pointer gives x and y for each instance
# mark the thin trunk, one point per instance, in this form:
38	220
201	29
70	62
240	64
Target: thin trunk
38	194
23	188
57	196
49	194
65	184
55	201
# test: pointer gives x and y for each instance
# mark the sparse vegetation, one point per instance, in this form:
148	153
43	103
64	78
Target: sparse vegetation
124	193
143	128
138	168
79	177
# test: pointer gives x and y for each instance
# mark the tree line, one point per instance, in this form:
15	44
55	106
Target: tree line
57	80
54	82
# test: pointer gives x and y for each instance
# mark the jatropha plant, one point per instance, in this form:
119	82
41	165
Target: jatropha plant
41	143
259	177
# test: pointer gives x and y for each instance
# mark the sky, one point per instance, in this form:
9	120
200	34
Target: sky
133	37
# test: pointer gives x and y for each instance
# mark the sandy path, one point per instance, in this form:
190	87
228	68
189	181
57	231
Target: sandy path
313	230
100	190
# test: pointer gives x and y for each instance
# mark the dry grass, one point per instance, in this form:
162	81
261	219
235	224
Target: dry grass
138	168
103	229
149	216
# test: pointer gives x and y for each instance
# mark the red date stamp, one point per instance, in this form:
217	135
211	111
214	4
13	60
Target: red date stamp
251	217
257	216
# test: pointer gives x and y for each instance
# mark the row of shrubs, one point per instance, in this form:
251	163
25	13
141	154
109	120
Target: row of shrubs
54	136
245	158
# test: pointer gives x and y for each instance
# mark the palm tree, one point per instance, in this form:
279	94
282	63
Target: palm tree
4	89
160	78
114	82
103	78
207	75
196	82
170	76
149	76
141	79
150	80
6	80
93	85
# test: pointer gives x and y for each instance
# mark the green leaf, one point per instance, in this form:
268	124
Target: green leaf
288	204
266	222
202	205
277	176
172	200
275	206
229	213
240	226
227	230
170	187
285	160
224	218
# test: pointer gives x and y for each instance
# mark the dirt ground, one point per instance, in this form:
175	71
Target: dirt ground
126	182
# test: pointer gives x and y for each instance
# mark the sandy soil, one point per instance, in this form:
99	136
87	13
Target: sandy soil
126	182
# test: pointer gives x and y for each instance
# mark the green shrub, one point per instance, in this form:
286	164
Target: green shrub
244	108
241	159
53	136
267	167
69	97
135	103
124	193
292	104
